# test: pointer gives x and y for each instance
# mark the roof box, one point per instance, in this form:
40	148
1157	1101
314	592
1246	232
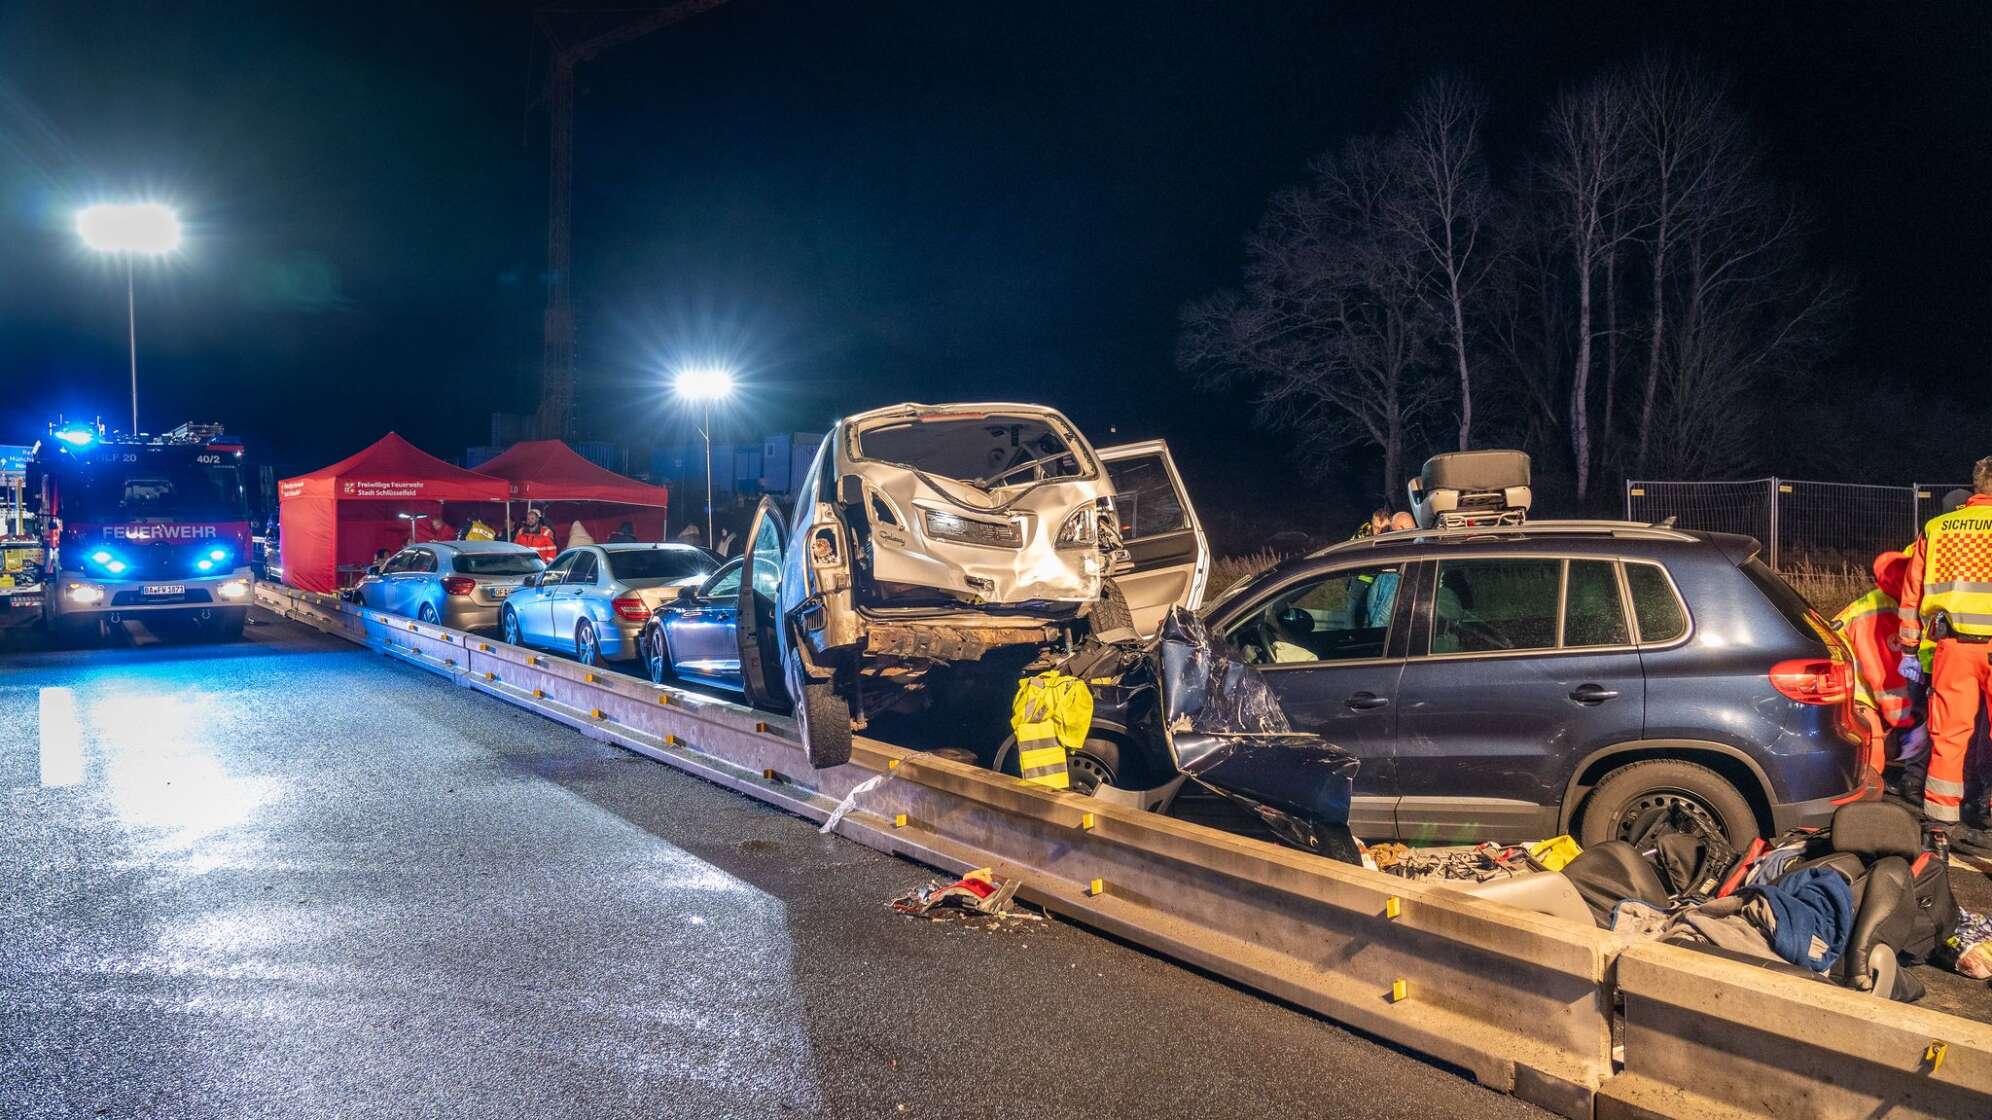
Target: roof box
1467	488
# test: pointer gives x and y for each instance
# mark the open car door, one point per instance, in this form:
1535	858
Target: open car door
759	618
1165	541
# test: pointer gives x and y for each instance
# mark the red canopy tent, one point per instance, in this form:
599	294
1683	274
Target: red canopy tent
567	488
335	518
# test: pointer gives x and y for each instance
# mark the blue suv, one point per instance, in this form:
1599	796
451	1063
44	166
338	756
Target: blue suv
1613	680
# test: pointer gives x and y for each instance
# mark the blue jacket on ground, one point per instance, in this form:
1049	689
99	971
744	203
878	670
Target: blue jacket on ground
1815	913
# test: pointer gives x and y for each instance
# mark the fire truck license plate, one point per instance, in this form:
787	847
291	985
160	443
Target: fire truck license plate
157	589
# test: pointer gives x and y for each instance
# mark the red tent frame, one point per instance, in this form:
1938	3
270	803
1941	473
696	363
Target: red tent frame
335	518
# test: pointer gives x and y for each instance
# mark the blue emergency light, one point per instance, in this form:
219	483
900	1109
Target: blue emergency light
77	437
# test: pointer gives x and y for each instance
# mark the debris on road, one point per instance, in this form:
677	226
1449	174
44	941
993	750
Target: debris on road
978	894
850	801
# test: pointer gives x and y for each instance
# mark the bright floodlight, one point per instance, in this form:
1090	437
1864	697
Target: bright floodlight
139	227
703	383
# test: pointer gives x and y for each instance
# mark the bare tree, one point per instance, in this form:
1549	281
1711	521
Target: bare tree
1751	315
1330	331
1443	207
1587	171
1682	133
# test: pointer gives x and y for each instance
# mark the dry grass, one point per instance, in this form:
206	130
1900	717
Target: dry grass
1227	572
1827	588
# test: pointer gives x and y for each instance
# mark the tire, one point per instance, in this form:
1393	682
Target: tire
1112	611
821	716
1097	762
71	633
656	654
587	647
225	626
508	627
1642	801
428	614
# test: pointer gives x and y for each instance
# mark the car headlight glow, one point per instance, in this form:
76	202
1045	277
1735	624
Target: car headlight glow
234	589
84	594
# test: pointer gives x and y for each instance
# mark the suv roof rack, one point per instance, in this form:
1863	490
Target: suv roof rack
1632	529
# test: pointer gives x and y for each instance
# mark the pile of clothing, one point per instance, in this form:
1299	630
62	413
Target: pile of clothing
1849	903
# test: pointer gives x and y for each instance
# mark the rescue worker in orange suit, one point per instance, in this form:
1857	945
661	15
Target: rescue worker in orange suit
1947	597
537	535
1886	698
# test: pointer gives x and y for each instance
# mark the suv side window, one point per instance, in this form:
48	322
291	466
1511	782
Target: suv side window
1496	605
1593	613
1145	498
1342	616
1654	603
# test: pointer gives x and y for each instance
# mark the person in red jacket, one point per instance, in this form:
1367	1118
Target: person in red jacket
536	535
1888	701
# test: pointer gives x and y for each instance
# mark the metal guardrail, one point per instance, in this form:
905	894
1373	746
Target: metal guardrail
1522	1001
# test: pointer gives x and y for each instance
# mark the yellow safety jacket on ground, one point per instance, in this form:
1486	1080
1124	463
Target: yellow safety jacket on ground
1051	715
1951	572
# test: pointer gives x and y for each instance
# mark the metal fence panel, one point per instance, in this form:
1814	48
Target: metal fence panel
1826	526
1714	507
1803	525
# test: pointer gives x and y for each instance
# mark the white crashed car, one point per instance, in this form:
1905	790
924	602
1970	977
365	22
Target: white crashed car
928	535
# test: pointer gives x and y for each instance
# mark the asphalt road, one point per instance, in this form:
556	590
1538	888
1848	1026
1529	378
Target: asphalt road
287	877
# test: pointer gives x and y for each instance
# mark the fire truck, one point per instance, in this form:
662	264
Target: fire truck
144	528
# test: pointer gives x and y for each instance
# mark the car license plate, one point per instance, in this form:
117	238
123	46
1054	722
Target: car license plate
155	590
498	592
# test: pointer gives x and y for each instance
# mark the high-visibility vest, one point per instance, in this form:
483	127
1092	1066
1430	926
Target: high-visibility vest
540	541
1868	624
1051	714
1957	569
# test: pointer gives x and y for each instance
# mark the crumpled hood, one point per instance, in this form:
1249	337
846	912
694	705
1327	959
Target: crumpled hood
1038	570
1229	732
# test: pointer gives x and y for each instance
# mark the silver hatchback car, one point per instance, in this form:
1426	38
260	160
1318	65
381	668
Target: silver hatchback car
460	584
593	601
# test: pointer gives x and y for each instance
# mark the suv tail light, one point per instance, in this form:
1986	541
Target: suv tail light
631	609
1814	680
458	585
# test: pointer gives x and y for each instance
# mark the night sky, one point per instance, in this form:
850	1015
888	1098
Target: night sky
864	203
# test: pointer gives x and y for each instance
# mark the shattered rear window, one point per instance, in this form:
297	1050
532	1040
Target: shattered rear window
987	451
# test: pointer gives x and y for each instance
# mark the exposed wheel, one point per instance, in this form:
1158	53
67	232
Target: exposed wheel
587	647
1112	611
428	614
821	716
656	655
1098	762
1644	801
508	626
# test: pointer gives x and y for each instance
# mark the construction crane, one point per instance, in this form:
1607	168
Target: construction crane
556	409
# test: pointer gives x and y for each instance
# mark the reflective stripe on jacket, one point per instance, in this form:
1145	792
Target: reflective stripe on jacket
1951	572
1869	624
1051	714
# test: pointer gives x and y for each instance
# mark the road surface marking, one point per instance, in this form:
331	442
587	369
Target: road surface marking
61	739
